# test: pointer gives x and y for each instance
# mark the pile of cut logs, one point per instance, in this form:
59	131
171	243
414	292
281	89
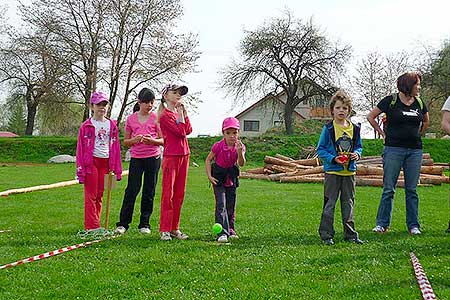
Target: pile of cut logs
369	171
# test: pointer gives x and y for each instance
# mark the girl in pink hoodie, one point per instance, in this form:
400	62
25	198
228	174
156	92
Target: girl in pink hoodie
98	153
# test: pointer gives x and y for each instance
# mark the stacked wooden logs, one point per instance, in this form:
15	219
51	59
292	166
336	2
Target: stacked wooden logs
369	171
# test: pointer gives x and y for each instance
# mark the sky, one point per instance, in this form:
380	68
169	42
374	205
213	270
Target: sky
386	26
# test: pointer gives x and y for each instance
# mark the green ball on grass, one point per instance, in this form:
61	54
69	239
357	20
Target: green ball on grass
217	228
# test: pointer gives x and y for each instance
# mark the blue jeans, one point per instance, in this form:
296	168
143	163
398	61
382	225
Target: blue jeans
394	158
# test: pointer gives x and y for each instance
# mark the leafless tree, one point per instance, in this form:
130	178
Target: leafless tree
30	68
288	54
76	28
142	48
375	78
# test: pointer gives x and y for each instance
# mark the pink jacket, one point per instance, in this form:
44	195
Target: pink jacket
174	133
85	150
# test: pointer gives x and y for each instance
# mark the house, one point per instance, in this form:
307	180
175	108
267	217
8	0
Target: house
268	112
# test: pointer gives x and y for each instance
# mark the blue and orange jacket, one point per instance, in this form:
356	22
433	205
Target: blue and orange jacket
327	150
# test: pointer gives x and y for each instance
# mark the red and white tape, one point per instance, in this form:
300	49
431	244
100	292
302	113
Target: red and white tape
52	253
422	280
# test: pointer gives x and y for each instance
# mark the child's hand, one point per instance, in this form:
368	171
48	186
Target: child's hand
213	180
239	145
354	156
148	140
138	139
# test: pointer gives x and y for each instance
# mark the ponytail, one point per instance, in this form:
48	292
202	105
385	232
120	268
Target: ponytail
161	108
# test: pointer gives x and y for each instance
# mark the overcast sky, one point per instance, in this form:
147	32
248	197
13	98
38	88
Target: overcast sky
367	25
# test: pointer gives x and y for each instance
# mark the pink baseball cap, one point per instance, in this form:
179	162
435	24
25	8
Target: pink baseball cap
173	87
230	122
98	97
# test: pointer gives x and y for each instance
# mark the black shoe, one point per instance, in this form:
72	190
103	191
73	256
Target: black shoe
328	242
356	241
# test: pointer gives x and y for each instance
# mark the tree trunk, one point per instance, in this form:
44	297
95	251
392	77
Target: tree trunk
288	119
31	112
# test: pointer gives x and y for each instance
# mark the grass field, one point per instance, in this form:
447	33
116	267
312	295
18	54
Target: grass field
279	254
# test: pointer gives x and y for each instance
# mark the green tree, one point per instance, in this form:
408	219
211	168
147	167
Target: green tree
436	82
16	120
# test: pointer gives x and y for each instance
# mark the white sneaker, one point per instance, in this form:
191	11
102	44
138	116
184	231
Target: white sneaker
165	236
380	229
179	235
415	231
145	230
120	230
222	239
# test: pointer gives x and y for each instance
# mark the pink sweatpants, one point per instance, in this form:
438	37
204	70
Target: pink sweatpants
174	175
93	193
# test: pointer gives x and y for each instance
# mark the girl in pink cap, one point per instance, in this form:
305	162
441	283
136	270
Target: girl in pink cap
175	126
223	173
98	152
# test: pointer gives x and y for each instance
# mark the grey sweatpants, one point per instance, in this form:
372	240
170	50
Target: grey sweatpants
333	186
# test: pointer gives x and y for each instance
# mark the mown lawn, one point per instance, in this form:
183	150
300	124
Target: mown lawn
279	254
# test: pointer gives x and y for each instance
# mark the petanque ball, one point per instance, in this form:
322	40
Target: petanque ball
217	228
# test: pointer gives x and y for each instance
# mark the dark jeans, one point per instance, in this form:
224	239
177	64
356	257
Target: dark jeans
150	167
333	186
225	207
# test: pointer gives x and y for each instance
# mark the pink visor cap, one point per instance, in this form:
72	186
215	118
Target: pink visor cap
98	97
230	122
173	87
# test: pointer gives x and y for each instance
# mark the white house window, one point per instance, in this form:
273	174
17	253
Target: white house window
251	125
277	123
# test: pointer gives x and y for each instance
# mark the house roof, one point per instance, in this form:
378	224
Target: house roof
265	98
7	134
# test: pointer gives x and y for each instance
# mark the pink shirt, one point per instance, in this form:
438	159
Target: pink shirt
150	127
225	156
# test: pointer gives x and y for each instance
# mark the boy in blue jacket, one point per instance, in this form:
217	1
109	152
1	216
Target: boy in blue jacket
339	148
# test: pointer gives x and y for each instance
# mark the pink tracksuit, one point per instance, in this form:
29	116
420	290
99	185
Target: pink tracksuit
174	169
91	170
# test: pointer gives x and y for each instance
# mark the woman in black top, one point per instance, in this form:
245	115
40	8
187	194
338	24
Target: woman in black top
406	120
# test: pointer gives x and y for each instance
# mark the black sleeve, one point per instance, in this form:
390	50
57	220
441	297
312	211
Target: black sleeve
425	108
384	104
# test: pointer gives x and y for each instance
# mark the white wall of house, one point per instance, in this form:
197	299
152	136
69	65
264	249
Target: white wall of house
262	117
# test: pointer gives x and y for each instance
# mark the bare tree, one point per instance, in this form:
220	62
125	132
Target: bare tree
30	68
287	54
77	28
142	48
376	77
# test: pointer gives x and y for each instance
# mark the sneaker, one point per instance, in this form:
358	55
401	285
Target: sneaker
355	241
415	231
380	229
165	236
328	242
145	230
222	239
233	234
179	235
120	230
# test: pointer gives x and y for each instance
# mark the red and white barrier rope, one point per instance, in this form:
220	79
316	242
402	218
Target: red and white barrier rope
52	253
422	280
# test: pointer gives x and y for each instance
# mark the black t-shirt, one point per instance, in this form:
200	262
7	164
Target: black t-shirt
403	123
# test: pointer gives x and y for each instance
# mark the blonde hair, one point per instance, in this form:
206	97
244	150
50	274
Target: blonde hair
340	95
160	108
